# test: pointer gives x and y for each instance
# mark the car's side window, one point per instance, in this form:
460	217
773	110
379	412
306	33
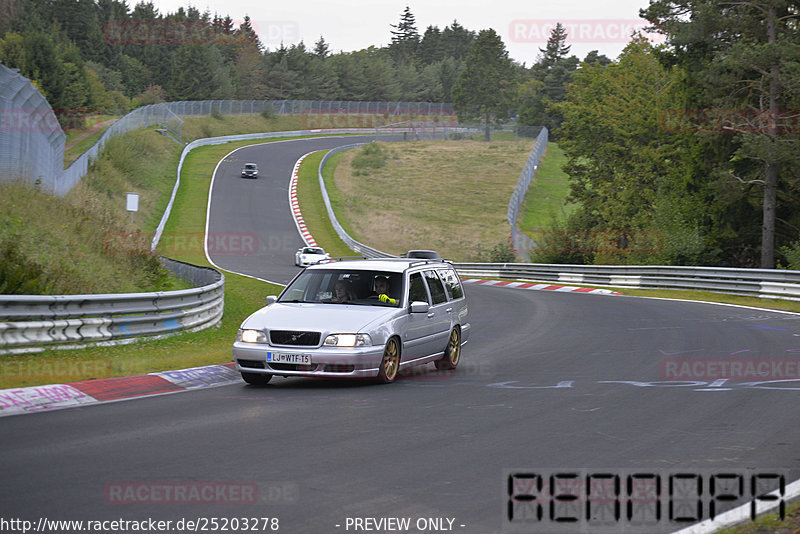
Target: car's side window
435	285
416	289
452	283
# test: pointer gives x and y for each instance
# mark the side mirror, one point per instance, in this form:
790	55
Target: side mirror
271	299
419	307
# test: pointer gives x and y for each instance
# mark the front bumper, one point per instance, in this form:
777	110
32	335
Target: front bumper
331	362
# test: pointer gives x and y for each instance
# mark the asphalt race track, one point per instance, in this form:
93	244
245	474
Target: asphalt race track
549	381
257	211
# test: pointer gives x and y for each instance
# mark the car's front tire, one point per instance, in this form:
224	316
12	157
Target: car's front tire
452	353
256	379
390	363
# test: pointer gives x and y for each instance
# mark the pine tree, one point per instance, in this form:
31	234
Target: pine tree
485	88
431	47
457	41
743	56
556	48
321	48
550	75
405	38
248	35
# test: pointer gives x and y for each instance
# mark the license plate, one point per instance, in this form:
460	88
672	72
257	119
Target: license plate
285	357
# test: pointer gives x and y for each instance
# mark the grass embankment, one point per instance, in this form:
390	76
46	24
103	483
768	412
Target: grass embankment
313	208
211	346
85	242
79	140
449	196
545	200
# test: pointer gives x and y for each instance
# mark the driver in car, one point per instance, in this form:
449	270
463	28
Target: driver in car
382	289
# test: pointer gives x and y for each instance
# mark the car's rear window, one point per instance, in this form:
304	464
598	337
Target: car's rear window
451	283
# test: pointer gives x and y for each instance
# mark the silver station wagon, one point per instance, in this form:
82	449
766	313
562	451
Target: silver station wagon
357	319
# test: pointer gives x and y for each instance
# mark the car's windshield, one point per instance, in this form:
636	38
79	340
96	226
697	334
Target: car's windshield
313	251
337	286
250	166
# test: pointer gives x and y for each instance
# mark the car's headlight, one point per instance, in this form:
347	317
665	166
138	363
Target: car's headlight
347	340
251	336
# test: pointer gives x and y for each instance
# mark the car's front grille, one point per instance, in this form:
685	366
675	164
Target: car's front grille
289	337
293	366
339	368
252	364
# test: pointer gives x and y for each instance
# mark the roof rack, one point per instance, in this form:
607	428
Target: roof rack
413	261
341	258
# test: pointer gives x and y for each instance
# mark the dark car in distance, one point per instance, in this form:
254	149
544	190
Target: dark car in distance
250	170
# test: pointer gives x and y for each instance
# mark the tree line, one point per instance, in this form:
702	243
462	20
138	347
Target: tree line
103	55
687	152
681	153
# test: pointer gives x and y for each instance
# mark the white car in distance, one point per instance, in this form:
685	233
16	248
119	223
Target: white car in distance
309	255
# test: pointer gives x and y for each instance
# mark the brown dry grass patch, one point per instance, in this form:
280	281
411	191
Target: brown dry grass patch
449	196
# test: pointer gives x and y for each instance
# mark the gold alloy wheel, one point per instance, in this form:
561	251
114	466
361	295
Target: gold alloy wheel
452	354
391	361
454	348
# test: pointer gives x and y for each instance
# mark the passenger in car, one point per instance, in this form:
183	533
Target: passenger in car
342	292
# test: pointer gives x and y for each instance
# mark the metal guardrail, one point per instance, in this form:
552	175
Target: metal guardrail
361	248
31	323
207	141
766	283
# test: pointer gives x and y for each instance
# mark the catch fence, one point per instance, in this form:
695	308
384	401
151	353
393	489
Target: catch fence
32	141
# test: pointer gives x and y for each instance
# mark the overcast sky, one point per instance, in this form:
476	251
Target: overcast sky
352	25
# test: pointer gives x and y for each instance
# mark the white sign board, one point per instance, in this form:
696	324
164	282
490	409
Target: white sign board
132	203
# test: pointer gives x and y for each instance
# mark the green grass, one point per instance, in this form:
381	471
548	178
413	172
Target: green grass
85	242
770	523
313	208
243	295
211	346
75	151
707	296
545	199
701	296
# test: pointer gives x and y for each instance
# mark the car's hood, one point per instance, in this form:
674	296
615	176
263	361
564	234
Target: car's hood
327	318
